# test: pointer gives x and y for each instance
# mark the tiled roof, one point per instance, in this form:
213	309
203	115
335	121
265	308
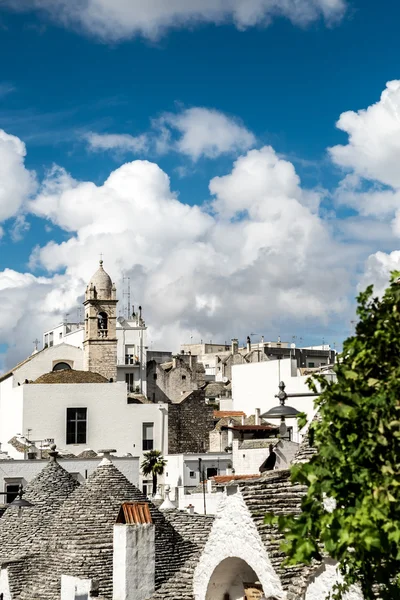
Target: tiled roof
71	376
218	479
220	414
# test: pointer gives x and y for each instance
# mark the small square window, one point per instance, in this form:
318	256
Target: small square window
192	474
183	377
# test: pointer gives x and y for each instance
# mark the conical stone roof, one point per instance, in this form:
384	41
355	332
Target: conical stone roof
47	492
80	538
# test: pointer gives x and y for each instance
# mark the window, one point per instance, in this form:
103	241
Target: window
155	376
183	377
311	365
12	490
46	339
60	335
148	435
102	324
130	382
192	474
51	339
61	366
76	425
211	472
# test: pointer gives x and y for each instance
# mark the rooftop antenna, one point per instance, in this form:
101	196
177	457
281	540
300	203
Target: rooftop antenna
126	295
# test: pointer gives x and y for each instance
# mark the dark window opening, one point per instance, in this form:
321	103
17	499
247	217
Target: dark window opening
76	425
61	366
148	435
183	377
211	472
11	492
192	474
155	376
102	321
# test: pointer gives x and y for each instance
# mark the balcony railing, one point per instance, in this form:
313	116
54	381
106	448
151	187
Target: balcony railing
102	333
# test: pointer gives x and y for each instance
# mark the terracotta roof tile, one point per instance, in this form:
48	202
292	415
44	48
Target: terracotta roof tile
221	414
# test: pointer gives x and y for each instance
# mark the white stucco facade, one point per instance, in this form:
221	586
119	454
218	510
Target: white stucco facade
254	385
41	411
133	561
183	469
323	582
234	536
5	584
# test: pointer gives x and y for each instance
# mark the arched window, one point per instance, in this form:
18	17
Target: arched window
102	324
61	366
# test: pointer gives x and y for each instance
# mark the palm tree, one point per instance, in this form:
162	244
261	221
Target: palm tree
153	465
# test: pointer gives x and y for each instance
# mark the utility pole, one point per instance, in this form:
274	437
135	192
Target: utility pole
201	471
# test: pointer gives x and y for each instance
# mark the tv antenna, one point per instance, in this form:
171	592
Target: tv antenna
126	293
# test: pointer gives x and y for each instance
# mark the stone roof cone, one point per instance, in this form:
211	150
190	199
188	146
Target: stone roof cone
82	535
47	491
23	537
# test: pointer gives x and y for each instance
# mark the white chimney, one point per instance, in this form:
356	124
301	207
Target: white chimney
134	561
234	346
230	432
257	421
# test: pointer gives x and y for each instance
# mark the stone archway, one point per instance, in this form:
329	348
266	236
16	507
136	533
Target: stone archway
228	578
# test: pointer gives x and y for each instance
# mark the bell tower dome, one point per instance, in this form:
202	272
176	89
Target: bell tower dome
100	342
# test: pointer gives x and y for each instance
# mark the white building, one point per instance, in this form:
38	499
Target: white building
68	392
183	470
254	386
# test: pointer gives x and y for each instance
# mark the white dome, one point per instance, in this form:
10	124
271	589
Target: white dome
102	282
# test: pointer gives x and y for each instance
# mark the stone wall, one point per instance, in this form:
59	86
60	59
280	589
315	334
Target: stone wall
168	382
100	356
190	423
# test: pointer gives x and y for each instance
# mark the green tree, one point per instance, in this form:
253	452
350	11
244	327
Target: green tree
357	465
153	464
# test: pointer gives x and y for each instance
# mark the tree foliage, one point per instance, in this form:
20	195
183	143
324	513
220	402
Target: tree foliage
357	466
154	465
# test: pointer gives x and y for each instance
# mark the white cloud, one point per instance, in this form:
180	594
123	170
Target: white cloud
114	141
207	132
262	252
16	182
372	186
121	19
373	150
194	132
377	270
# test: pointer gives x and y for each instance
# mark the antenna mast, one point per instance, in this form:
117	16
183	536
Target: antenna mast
127	296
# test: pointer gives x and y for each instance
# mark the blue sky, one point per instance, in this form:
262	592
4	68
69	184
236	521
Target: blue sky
285	84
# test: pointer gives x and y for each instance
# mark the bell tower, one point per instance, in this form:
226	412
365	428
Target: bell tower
100	342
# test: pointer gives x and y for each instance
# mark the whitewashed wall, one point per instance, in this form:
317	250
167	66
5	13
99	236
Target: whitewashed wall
254	385
11	413
324	580
247	461
5	585
112	422
44	361
179	467
74	588
234	535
